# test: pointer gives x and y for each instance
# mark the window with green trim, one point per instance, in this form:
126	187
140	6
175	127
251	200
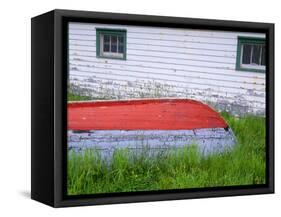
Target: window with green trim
111	43
251	54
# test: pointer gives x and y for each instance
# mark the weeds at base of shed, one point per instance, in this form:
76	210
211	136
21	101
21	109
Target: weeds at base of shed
245	165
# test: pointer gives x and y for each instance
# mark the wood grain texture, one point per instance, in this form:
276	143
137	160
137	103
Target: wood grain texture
151	142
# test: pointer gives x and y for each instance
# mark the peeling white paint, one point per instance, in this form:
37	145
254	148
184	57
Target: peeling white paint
208	141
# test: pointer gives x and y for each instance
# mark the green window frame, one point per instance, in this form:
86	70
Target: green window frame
111	43
251	54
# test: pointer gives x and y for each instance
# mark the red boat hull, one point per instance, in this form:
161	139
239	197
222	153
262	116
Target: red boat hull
161	114
140	125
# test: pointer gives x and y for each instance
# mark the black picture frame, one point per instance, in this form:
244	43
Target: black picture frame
49	100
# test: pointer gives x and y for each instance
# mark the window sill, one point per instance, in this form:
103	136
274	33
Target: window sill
250	70
112	57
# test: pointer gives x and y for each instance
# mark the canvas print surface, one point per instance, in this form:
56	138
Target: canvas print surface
157	108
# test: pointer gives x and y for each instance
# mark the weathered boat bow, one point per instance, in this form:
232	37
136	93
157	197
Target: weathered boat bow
150	124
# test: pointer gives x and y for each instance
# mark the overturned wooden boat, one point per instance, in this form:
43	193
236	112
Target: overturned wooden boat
152	124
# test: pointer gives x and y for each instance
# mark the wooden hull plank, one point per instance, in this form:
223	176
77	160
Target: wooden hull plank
208	141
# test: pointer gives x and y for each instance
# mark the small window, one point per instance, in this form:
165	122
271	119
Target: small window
111	43
251	54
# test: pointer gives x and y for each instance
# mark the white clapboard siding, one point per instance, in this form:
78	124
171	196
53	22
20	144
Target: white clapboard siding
177	76
166	62
169	55
144	85
162	42
161	30
176	59
173	81
139	86
169	50
134	92
77	65
161	37
161	66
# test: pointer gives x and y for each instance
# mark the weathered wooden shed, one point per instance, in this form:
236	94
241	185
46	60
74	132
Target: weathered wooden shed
224	69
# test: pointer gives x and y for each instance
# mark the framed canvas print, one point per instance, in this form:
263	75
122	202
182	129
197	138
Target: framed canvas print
133	108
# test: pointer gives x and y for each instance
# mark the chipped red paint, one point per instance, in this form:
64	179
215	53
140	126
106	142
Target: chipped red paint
154	114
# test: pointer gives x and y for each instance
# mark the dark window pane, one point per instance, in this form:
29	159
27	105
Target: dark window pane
120	44
114	48
120	48
114	43
120	39
256	54
263	56
246	55
105	47
114	39
106	39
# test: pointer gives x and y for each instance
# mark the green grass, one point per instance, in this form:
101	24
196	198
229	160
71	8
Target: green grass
244	165
73	97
